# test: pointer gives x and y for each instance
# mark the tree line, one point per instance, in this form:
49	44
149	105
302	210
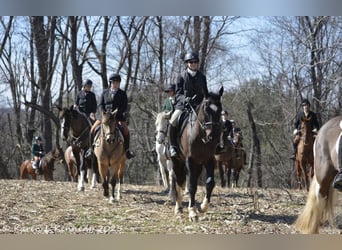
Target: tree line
279	61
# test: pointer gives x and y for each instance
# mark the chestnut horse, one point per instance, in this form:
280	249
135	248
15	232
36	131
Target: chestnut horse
230	160
75	127
110	154
47	165
197	144
322	196
304	157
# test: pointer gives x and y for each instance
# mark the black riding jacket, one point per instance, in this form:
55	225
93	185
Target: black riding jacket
301	115
110	102
189	86
86	102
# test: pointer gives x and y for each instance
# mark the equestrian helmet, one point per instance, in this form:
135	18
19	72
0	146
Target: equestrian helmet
88	82
192	56
38	138
115	77
171	87
306	102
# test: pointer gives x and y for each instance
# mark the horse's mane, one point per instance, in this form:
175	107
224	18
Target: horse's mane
160	117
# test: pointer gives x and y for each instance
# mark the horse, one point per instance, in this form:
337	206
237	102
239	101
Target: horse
70	161
110	154
322	196
164	160
231	159
77	125
304	157
46	165
197	144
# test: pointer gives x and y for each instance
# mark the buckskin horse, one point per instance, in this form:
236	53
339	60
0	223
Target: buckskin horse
321	198
304	158
197	144
110	154
77	125
47	165
230	160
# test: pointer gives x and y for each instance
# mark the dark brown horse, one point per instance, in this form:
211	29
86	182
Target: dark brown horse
75	128
231	160
197	148
321	197
110	154
47	165
304	157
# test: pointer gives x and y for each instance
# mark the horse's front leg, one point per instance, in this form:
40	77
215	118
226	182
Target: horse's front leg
113	184
194	173
80	163
209	185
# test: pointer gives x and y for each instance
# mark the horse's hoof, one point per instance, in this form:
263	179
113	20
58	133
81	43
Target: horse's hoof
111	200
179	210
193	217
204	206
80	189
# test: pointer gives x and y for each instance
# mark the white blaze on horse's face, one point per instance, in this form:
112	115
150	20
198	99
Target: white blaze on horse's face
213	107
62	127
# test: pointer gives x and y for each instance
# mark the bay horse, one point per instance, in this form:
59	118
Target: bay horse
197	144
164	160
304	161
47	163
110	154
231	160
75	128
322	196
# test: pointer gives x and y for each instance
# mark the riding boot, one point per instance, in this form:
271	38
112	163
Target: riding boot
129	153
36	167
173	140
338	178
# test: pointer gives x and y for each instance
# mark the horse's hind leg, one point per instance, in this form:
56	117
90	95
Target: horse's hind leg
221	166
179	178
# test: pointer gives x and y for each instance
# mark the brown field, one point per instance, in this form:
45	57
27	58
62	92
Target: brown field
40	207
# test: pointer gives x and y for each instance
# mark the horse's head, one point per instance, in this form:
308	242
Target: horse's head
237	136
209	115
306	130
58	154
161	127
65	120
109	125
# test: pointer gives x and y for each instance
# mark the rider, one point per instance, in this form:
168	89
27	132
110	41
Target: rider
169	102
191	85
111	99
37	153
306	113
86	100
226	126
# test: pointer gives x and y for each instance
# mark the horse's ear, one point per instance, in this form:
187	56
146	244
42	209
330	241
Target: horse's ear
221	91
58	107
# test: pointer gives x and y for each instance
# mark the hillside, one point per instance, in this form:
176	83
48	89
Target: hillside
39	207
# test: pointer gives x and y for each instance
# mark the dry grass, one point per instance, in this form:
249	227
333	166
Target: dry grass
39	207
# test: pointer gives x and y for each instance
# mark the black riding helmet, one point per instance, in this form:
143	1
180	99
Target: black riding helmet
192	56
88	82
306	102
114	77
224	112
38	138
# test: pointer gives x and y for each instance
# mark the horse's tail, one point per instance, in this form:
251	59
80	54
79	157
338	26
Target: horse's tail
316	209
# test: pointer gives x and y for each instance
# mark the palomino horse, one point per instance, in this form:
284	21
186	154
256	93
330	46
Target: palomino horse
164	161
231	160
77	125
47	165
322	196
110	154
304	157
196	149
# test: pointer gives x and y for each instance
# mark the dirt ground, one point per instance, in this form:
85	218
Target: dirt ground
40	207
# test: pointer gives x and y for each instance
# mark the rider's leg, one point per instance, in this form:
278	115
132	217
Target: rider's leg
35	164
338	179
295	144
126	135
173	132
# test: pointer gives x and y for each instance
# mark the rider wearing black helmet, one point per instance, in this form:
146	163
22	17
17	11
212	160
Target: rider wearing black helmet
191	84
86	100
116	98
307	114
37	151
